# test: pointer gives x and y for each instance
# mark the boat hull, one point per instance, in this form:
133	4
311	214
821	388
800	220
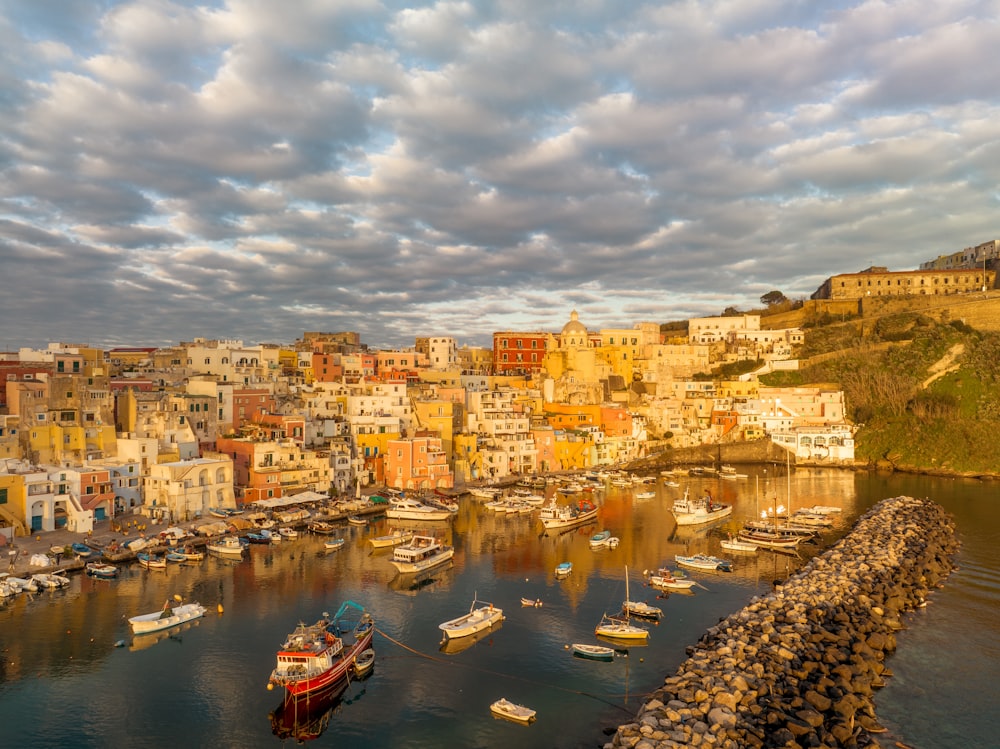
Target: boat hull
344	661
408	568
154	622
593	652
477	620
551	524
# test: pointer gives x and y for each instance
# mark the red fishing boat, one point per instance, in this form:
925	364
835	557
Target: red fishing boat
314	656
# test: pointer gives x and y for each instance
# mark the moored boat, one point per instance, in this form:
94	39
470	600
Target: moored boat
536	602
394	538
168	616
481	616
593	652
81	550
50	580
151	561
600	540
732	543
421	553
322	527
620	629
315	656
102	570
704	562
334	544
364	662
664	579
504	708
191	554
642	609
229	546
698	511
769	538
559	517
410	509
357	520
563	569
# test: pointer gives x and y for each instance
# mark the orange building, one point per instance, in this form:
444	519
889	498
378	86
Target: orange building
417	463
515	352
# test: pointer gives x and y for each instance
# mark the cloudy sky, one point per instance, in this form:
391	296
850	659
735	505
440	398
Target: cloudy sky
253	168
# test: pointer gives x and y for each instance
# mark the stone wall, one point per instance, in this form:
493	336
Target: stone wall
798	667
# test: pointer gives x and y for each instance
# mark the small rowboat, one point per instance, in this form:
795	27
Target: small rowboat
563	569
593	652
365	662
536	602
504	708
357	520
333	544
101	570
151	561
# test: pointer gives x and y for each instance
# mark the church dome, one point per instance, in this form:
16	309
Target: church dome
574	327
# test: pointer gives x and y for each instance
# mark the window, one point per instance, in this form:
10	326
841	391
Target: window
3	496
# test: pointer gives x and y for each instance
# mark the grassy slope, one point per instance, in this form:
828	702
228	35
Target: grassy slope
951	425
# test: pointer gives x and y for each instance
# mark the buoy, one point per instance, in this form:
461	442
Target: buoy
177	597
270	686
565	647
220	608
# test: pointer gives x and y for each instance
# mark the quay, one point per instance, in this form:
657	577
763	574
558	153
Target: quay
799	666
18	554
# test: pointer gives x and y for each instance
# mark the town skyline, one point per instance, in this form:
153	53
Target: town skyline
174	170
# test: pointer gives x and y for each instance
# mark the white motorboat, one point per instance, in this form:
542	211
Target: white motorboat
559	517
697	511
229	546
704	562
395	538
411	509
664	579
421	553
481	616
168	616
563	569
50	580
504	708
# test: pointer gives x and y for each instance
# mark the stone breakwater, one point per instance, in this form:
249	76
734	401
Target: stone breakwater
799	666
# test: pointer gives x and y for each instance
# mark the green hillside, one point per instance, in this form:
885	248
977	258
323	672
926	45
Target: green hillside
923	393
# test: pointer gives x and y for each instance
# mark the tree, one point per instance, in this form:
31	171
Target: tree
772	298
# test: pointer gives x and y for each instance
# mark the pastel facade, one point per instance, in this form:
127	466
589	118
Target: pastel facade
417	463
185	490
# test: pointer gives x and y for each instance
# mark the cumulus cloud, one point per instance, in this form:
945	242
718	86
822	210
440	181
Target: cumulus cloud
253	170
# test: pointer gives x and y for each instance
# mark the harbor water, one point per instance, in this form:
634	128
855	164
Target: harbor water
63	681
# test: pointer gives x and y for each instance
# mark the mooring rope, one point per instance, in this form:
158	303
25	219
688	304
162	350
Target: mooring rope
449	662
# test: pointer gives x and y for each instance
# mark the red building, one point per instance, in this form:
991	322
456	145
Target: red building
516	352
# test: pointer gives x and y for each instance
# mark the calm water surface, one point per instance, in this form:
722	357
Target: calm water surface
63	683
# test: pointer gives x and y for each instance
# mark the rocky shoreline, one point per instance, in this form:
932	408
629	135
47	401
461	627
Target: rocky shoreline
799	666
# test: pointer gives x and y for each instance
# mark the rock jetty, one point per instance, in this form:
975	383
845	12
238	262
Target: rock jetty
799	666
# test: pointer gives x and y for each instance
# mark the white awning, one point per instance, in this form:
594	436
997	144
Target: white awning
304	498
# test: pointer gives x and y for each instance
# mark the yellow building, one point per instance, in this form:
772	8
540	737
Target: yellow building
439	416
468	461
574	452
12	503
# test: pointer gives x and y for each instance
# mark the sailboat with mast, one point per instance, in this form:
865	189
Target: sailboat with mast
621	628
770	535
